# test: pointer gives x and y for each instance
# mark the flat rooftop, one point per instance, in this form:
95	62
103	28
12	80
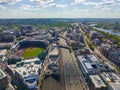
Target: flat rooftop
92	58
97	81
85	63
110	77
88	66
114	86
2	52
27	67
2	74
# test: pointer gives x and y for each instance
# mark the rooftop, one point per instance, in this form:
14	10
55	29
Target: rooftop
110	77
2	52
92	58
114	86
97	81
85	64
107	46
88	65
27	67
2	74
8	31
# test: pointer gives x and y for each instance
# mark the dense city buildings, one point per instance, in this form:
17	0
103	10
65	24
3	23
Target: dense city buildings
3	80
112	52
7	36
3	54
48	57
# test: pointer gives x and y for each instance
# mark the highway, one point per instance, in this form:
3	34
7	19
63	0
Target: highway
72	73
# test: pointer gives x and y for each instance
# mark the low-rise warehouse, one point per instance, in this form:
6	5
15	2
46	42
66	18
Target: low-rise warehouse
96	83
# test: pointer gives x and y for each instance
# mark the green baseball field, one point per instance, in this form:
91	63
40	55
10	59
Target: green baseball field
32	52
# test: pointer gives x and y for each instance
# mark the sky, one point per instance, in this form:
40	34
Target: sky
59	8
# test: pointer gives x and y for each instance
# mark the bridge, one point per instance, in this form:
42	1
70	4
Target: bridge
64	46
62	37
61	45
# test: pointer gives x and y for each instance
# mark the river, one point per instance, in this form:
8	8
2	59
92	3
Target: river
107	31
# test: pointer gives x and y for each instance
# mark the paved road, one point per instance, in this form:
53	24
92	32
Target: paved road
71	71
82	80
62	78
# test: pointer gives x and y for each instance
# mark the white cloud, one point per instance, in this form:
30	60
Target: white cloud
11	2
42	1
118	1
109	1
30	8
57	5
103	4
25	7
6	1
2	7
38	7
48	3
18	0
107	4
78	2
92	3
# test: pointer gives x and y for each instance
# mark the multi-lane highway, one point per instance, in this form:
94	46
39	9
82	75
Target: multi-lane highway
72	74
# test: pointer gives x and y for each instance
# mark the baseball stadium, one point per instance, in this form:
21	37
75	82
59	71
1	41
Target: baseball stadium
28	48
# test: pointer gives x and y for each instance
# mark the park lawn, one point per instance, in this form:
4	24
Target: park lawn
32	52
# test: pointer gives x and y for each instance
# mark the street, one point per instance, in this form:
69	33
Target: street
72	72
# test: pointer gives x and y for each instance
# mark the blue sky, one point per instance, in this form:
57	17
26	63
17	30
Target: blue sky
59	8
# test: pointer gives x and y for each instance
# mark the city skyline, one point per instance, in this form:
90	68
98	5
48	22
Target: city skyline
59	8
